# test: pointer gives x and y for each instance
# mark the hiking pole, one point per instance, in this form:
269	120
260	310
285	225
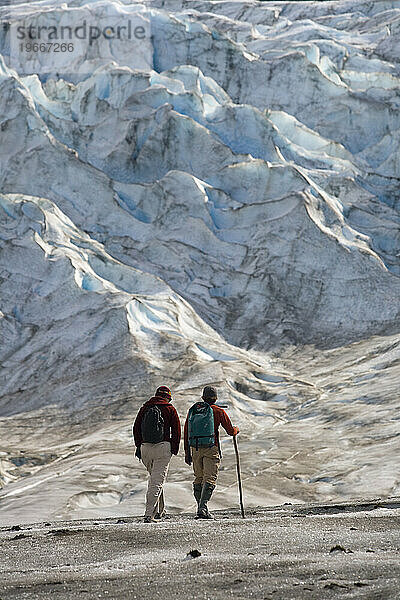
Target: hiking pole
238	474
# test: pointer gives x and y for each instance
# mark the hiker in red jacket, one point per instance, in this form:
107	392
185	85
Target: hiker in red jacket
157	434
202	446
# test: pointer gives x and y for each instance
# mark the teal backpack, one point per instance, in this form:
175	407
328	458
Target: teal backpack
201	425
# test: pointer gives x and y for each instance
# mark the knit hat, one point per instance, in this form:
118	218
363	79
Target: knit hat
209	393
164	392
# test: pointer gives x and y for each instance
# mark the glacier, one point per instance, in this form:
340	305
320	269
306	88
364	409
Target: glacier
229	213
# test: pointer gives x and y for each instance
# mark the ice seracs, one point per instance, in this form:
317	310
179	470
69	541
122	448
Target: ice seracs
229	212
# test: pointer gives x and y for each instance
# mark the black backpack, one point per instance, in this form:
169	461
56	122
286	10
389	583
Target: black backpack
153	425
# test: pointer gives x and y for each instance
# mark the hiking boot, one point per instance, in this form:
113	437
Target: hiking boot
197	489
206	493
204	514
159	516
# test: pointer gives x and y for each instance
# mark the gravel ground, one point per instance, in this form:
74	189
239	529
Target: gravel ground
316	551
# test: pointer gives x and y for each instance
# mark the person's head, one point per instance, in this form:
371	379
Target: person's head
209	394
164	392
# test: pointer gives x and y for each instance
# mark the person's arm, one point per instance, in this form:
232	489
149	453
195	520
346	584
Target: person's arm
137	429
226	423
188	457
175	431
137	433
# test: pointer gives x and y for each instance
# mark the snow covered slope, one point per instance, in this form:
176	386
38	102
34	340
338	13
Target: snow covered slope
230	213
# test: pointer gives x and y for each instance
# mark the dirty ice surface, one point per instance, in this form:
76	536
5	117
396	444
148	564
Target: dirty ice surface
229	214
296	552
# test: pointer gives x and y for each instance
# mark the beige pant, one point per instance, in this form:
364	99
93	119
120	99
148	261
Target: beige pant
156	458
206	463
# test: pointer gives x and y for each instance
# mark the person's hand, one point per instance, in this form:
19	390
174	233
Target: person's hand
188	459
138	453
235	430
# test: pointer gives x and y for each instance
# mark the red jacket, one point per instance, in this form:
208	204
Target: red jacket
172	426
220	418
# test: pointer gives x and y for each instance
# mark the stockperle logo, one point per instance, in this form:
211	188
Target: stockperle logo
78	39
